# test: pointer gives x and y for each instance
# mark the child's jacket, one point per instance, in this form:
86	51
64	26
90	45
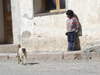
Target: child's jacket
72	24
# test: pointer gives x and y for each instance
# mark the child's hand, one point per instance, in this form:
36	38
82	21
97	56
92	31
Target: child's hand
66	33
76	31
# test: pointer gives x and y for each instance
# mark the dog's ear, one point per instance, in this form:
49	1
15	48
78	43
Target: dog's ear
19	46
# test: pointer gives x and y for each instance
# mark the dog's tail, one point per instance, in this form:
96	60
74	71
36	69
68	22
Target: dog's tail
19	46
23	49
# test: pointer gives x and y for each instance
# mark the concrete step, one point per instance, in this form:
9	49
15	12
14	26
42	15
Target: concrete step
8	48
76	55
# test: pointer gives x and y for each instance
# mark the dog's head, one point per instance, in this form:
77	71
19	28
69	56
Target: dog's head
23	49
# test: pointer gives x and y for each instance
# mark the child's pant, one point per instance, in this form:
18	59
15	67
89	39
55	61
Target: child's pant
71	40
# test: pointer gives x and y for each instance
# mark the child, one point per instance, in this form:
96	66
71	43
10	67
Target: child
72	29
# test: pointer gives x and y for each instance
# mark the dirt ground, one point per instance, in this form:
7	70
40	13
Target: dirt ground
75	67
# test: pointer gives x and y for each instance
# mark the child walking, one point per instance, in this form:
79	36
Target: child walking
72	28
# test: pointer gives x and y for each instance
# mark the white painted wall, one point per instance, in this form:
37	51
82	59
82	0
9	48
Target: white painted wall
15	21
88	13
47	33
1	22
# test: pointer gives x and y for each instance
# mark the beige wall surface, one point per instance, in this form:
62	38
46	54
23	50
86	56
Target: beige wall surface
15	21
88	12
47	32
1	23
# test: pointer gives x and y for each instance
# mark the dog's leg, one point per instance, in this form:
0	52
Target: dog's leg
25	58
18	57
22	59
18	60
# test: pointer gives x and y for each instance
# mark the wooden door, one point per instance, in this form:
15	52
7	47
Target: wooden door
8	21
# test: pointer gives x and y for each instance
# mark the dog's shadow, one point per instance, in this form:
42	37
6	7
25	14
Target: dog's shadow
31	63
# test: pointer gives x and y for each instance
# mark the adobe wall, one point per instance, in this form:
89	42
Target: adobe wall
88	13
46	32
16	21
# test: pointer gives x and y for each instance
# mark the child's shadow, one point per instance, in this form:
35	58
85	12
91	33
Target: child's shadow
77	41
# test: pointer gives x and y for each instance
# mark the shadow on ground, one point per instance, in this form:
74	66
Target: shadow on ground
31	63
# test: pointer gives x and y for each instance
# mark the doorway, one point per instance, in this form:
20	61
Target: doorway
7	21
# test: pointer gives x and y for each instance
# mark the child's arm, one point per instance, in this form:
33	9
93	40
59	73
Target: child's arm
77	26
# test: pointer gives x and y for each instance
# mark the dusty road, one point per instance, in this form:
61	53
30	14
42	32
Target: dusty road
76	67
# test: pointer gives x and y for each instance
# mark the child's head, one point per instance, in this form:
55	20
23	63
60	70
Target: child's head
69	13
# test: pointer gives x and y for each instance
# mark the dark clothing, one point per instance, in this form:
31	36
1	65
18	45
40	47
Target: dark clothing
71	40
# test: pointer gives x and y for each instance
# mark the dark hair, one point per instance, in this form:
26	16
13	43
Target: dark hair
70	12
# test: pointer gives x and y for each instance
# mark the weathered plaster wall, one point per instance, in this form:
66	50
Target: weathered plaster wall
42	33
15	21
47	33
1	22
88	12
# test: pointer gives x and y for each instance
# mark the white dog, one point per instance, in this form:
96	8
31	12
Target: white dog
22	55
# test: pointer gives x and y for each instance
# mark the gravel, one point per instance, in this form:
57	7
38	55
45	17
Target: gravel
36	67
